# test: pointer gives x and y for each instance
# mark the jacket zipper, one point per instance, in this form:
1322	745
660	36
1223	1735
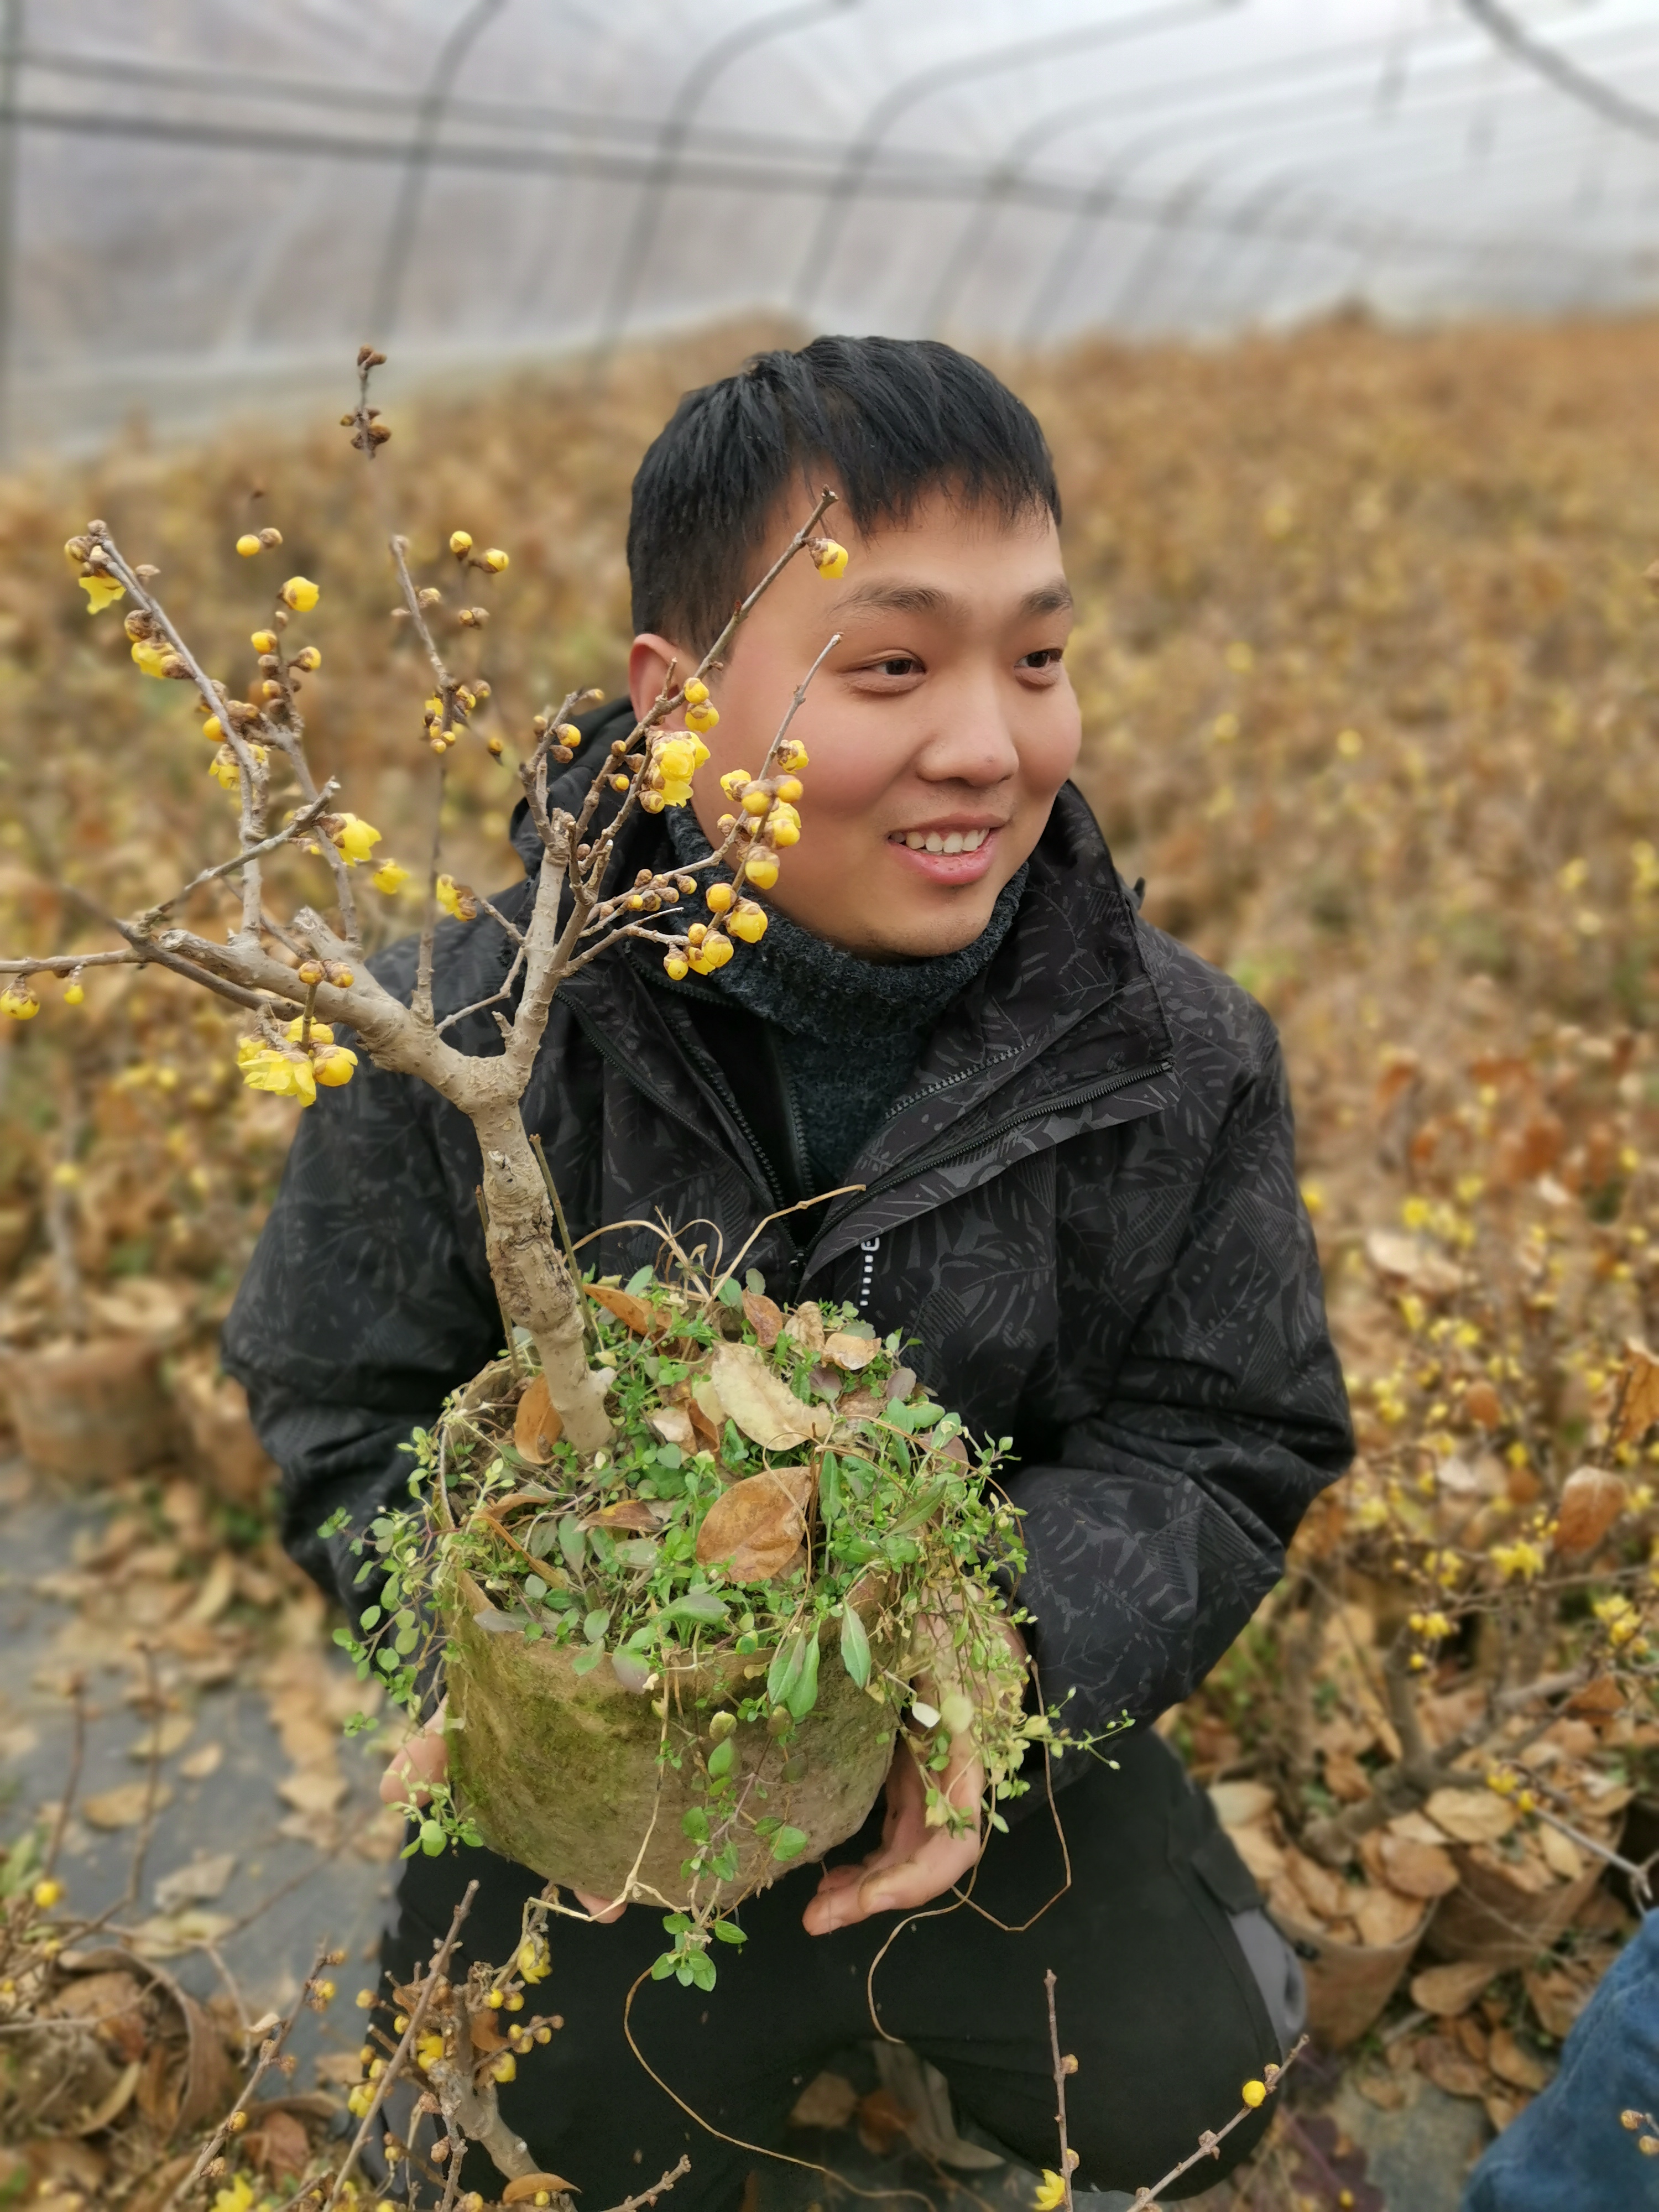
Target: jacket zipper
608	1052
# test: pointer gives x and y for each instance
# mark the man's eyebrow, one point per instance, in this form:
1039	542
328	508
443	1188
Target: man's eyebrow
1049	600
1054	599
899	599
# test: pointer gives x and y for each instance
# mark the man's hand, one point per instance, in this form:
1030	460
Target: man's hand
915	1864
423	1761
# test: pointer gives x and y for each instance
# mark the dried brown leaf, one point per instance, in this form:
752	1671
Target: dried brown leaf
754	1529
1513	2062
1636	1407
763	1317
1384	1917
1592	1498
804	1328
1471	1816
633	1313
1449	1991
1419	1870
122	1807
1450	2068
538	1424
849	1353
761	1402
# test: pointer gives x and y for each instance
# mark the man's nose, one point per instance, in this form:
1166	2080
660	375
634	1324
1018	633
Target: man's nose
972	740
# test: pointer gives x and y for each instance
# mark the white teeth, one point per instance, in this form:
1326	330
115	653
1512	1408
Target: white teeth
973	840
915	840
935	843
954	842
937	840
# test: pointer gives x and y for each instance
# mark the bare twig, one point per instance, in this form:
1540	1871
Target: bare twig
1210	2142
1063	2066
399	2060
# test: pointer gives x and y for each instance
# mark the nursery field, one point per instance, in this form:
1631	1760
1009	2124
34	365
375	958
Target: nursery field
1369	674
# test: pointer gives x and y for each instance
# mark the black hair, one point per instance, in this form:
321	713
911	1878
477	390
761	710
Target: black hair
888	419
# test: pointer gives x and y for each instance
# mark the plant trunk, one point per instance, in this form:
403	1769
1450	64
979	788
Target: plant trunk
532	1280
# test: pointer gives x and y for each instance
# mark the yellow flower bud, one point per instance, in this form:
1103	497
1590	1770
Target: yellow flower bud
675	966
535	1961
300	594
790	789
762	870
791	756
748	922
829	558
568	734
19	1002
76	992
334	1065
496	2000
460	543
783	826
1255	2093
214	730
506	2067
47	1893
696	933
364	2000
703	717
714	952
756	798
695	691
718	897
389	877
734	780
494	560
321	1033
263	641
247	546
308	658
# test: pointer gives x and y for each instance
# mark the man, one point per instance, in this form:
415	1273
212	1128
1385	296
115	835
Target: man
1074	1155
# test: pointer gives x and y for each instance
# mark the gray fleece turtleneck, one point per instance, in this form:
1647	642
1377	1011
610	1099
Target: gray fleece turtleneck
852	1029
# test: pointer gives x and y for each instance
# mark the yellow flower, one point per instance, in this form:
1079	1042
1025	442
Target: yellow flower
101	591
321	1031
829	558
1254	2093
150	658
263	641
460	543
791	756
1050	2192
390	876
75	994
247	546
679	756
300	594
309	658
359	2099
237	2196
334	1065
494	560
748	922
762	870
783	824
214	730
675	966
719	898
356	838
429	2048
703	717
19	1001
223	770
534	1960
449	898
284	1074
734	780
47	1893
714	952
507	2065
1519	1561
790	789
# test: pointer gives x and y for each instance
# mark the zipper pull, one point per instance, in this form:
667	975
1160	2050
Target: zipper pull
869	1246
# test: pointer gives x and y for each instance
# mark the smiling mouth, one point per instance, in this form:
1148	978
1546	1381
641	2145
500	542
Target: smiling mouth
941	840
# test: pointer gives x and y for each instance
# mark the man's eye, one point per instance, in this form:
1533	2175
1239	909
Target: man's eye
1048	656
901	664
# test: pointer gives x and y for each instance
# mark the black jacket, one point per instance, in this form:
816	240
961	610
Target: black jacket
1083	1205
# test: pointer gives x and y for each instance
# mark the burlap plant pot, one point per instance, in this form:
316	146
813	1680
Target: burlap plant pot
1349	1984
564	1772
95	1409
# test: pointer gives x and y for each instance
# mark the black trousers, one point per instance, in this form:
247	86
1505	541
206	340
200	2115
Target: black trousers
1155	1998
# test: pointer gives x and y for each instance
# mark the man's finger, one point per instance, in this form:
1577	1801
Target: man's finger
601	1907
421	1761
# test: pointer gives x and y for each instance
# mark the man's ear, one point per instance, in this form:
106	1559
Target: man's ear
649	659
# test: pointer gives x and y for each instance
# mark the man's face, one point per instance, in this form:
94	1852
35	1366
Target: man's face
938	729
